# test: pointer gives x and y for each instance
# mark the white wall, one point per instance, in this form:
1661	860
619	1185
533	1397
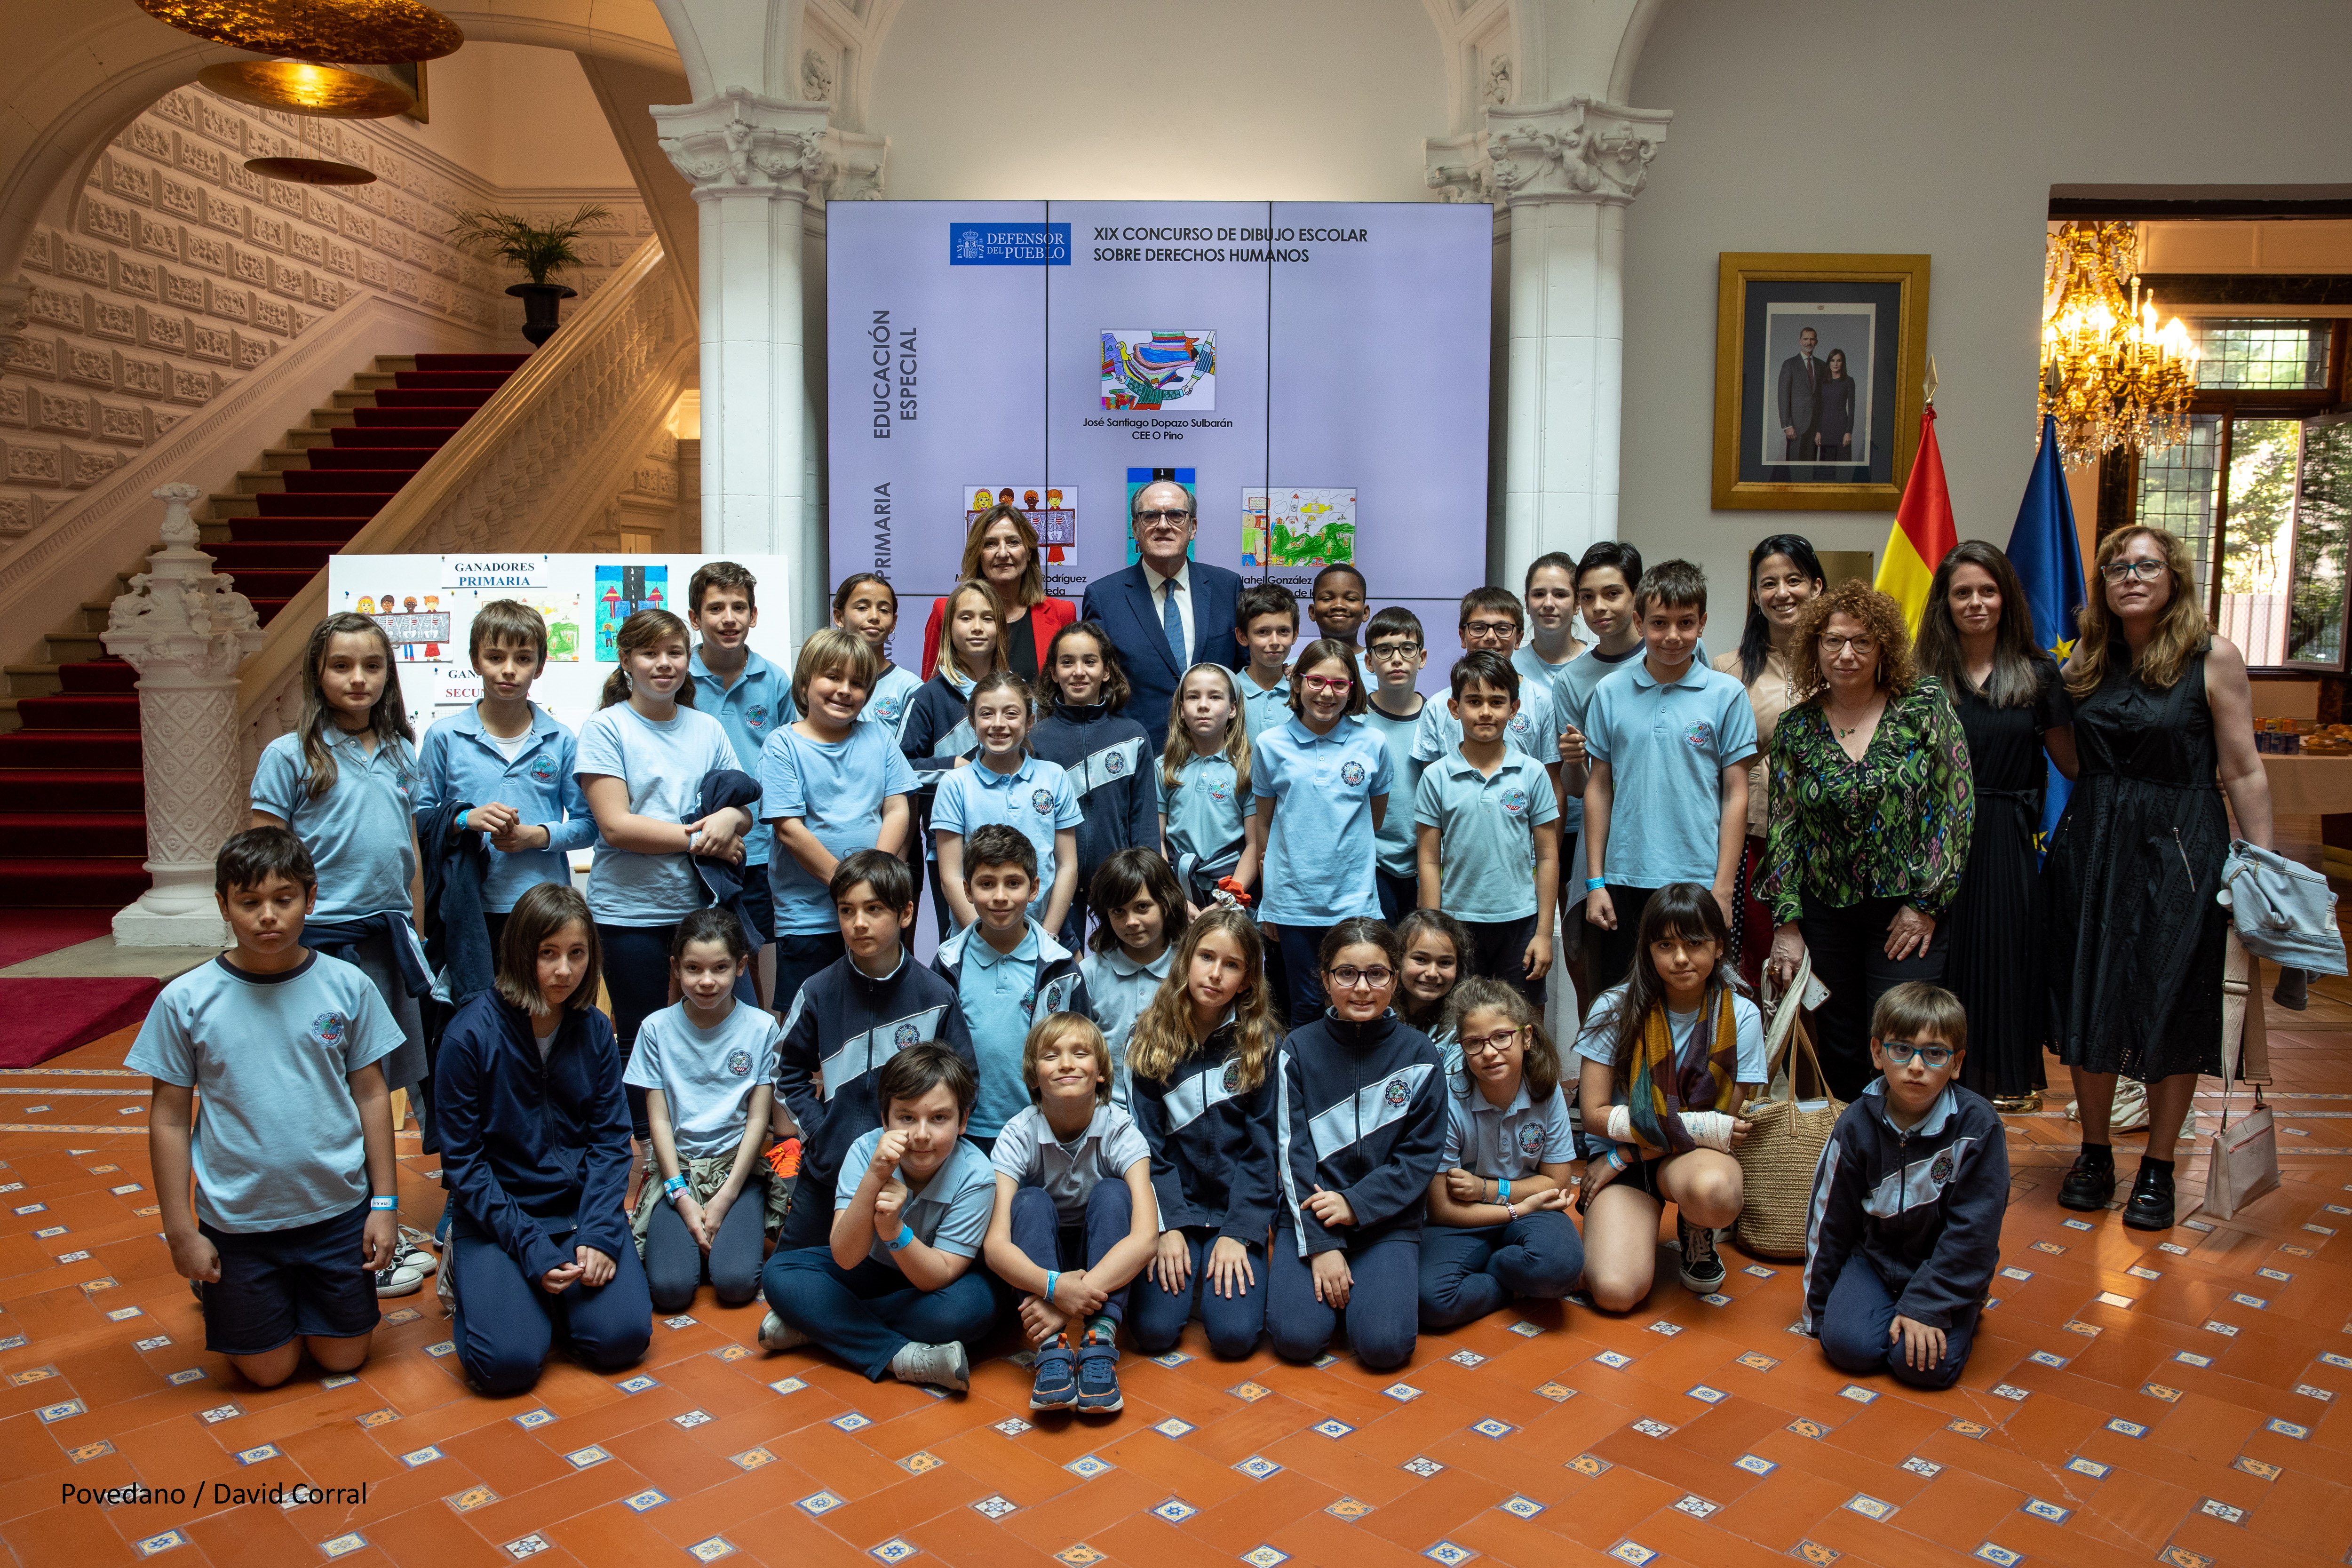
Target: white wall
519	117
1926	126
1203	99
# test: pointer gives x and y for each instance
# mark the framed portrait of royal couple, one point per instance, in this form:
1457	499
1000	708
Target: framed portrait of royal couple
1820	363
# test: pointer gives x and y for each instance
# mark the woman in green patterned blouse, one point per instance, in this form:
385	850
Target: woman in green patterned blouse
1871	807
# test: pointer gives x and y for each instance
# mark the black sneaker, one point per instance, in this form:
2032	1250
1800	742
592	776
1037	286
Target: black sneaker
1703	1271
2293	991
2091	1184
2150	1205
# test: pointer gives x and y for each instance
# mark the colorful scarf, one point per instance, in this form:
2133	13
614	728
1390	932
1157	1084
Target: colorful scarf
1663	1085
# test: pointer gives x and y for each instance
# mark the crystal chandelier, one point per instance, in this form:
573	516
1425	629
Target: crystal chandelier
2113	378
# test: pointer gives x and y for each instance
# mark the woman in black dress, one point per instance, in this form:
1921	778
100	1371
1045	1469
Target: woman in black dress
1836	427
1977	637
2162	706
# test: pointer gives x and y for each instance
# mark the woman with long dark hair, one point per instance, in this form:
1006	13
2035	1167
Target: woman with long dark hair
1000	550
1977	639
2164	727
1783	572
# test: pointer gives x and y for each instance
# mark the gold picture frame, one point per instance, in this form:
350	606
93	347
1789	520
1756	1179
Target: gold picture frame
1788	436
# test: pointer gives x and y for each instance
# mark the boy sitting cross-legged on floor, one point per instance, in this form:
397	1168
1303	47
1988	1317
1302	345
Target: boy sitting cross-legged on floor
1076	1220
286	1234
894	1292
1907	1203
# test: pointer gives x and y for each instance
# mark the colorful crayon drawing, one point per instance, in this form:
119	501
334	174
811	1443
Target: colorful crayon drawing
1159	368
1309	526
621	592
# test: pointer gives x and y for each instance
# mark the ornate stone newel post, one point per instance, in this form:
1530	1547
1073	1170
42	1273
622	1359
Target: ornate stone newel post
1566	172
185	631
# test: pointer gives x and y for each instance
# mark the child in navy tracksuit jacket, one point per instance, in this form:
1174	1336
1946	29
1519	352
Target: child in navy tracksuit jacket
846	1025
1107	754
1904	1232
1200	1087
1361	1126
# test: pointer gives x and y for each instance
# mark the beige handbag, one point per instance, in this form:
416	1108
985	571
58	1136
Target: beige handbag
1786	1135
2242	1163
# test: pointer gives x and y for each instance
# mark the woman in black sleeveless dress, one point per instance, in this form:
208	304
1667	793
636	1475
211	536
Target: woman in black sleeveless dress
2163	726
1977	637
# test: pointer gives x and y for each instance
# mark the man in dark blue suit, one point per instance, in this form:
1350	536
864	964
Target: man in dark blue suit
1166	612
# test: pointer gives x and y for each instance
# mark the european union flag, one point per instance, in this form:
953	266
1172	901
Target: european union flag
2049	561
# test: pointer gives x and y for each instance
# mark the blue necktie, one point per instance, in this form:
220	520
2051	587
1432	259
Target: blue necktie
1174	624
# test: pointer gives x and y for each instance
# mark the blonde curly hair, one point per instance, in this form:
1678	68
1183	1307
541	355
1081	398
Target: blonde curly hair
1880	617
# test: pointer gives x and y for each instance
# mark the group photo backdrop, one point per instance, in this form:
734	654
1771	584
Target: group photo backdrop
1316	373
425	604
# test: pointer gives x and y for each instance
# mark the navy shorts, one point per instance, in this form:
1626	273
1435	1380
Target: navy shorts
275	1284
760	903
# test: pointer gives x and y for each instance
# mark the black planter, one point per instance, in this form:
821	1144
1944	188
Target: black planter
539	323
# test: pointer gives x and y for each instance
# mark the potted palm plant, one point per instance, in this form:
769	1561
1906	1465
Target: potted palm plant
540	251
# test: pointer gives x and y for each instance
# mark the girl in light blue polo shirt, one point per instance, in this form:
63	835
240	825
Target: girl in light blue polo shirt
344	779
1204	780
642	758
1006	785
867	603
1321	784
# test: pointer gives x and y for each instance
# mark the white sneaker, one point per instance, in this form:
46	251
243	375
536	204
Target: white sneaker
941	1366
415	1247
775	1334
400	1278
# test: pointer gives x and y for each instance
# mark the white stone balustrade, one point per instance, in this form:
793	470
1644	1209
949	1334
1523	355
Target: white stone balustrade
184	629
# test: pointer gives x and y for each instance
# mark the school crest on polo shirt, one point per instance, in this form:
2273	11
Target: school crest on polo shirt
887	709
1220	794
1042	800
1515	801
1520	726
1530	1139
739	1062
1352	773
331	1028
543	769
1396	1093
1700	735
756	716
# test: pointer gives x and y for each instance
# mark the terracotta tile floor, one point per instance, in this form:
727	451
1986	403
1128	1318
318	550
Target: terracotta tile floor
2132	1398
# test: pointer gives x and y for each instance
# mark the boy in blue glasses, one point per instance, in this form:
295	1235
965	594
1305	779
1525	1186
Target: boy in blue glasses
1907	1201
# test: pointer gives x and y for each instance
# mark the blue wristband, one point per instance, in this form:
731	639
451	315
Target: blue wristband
1503	1188
905	1235
674	1186
1053	1277
1594	884
381	1206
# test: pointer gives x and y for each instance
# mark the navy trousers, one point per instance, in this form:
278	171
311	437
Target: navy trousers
1466	1274
1045	1241
1382	1304
504	1323
866	1314
675	1265
636	975
1854	1332
1303	971
1156	1317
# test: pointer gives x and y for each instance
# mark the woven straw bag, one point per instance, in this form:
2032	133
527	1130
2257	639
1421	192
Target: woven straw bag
1785	1138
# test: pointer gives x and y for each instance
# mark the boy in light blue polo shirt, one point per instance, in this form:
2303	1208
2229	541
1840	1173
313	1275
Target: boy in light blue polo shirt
510	761
1007	969
750	697
1669	740
1034	797
1267	625
1488	833
1492	621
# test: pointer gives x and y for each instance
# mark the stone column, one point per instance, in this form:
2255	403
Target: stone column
183	629
756	162
1565	173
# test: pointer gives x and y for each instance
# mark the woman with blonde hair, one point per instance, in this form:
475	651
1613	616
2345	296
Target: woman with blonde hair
2163	728
1002	551
1871	817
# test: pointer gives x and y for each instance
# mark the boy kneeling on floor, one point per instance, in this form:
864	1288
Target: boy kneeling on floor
1907	1202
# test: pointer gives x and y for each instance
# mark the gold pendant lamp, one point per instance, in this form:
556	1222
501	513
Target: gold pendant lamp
367	32
307	86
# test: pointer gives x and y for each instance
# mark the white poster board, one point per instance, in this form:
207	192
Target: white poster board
426	603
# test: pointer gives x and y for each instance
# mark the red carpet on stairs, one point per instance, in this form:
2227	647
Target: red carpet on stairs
41	1018
73	825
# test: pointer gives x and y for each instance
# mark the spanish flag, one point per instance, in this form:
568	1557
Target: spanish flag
1923	533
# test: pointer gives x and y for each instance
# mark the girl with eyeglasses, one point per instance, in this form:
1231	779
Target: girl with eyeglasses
1321	787
2164	728
1499	1206
1669	1059
1358	1125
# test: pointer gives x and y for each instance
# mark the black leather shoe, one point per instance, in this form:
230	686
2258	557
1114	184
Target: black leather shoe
2091	1184
2150	1205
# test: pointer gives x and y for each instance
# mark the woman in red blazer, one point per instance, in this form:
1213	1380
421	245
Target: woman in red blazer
1002	549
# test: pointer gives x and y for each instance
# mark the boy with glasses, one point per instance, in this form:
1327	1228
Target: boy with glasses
1907	1203
1393	660
1493	622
